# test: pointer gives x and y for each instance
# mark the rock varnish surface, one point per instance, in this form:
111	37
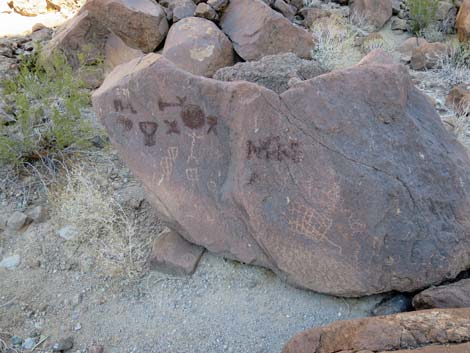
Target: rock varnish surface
345	184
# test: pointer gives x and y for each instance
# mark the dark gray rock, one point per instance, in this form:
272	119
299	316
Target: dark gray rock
397	304
273	71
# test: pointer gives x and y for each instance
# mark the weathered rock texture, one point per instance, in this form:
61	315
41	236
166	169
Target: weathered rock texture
197	45
174	255
256	30
374	13
117	52
346	184
272	71
456	295
463	21
407	332
428	56
141	24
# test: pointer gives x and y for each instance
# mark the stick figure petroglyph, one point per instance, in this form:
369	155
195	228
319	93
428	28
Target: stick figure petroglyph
192	174
192	152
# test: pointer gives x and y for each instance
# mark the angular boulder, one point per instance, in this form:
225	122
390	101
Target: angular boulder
179	8
197	45
428	331
81	39
116	52
174	255
455	295
406	48
141	24
428	56
352	196
374	13
463	22
272	71
256	30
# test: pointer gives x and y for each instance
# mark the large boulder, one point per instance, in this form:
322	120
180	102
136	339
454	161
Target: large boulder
81	39
256	30
116	52
273	71
428	331
456	295
347	183
141	24
197	45
373	13
463	21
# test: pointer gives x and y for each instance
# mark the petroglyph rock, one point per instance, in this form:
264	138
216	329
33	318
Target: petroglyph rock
352	196
256	30
427	331
198	46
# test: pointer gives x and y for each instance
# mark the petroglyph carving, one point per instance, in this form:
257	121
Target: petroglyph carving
119	106
172	127
212	121
126	123
168	161
148	128
192	115
192	152
271	148
192	174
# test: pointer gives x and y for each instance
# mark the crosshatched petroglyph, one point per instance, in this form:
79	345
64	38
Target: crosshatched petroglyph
272	148
192	174
149	128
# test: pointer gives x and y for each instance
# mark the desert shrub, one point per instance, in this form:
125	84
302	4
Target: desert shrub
334	47
46	103
375	41
462	126
422	14
454	68
101	224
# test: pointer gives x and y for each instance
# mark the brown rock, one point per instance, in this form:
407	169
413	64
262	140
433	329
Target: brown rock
117	52
456	295
463	21
399	332
180	8
81	36
145	25
206	11
428	56
348	197
256	30
174	255
198	46
454	348
377	57
374	13
218	5
287	10
459	99
406	48
312	15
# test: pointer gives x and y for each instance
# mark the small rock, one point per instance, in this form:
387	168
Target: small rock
11	262
63	345
68	232
96	348
78	327
29	343
205	11
37	214
16	341
218	5
17	221
397	304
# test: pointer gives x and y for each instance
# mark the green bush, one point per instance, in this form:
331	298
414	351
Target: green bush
422	13
46	102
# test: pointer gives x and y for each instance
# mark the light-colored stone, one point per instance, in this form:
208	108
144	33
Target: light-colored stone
10	262
198	46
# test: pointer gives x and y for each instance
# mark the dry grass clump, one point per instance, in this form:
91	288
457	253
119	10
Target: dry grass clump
334	48
454	67
101	223
462	126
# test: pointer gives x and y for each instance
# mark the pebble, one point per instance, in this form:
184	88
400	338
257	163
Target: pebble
29	343
96	348
37	214
63	345
78	327
16	341
16	221
68	232
10	262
